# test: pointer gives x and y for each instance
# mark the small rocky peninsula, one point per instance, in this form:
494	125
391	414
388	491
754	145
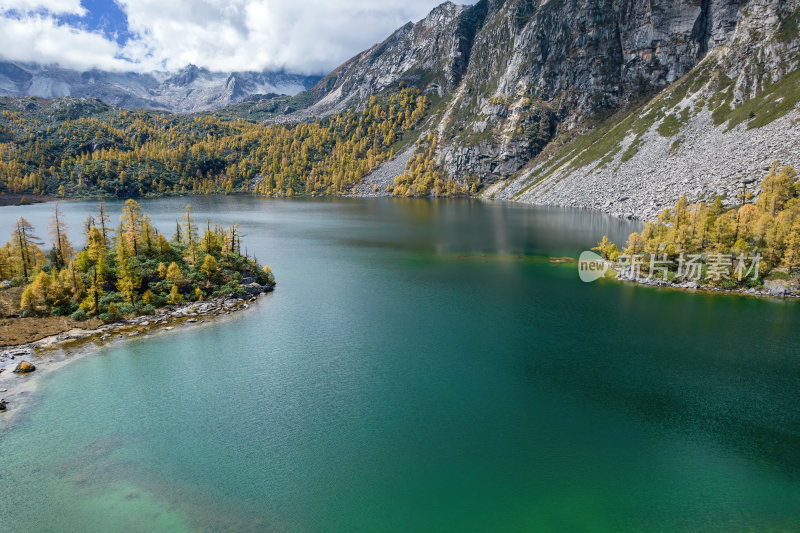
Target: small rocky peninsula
56	304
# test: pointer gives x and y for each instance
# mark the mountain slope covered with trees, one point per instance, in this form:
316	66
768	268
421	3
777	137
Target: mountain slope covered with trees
74	147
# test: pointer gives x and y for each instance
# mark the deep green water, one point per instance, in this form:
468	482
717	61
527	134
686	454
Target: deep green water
419	369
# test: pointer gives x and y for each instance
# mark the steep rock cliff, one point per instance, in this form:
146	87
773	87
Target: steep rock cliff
541	68
432	54
523	79
716	131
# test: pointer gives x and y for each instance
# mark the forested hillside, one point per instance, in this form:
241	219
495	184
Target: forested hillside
77	147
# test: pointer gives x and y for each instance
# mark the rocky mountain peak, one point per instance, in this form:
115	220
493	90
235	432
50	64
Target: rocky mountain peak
431	53
186	75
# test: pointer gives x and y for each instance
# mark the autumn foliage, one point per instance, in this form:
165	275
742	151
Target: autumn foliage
124	272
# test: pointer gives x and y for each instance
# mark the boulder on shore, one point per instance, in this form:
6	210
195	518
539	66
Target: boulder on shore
24	367
253	289
777	288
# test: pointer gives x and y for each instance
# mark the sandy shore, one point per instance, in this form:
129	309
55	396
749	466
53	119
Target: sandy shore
52	352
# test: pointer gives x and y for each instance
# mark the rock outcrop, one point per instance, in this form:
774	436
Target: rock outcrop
254	288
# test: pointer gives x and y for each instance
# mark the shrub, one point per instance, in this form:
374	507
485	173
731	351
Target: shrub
232	287
79	315
108	298
63	310
270	277
778	275
144	309
754	283
148	297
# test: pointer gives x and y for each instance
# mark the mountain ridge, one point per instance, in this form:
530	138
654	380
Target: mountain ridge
191	89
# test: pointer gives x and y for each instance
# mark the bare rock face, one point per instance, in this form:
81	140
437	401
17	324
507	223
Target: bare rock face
432	53
543	67
713	132
516	74
518	71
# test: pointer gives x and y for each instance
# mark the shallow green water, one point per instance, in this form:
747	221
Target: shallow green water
419	369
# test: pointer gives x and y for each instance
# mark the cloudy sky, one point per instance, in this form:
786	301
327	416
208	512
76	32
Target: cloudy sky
304	36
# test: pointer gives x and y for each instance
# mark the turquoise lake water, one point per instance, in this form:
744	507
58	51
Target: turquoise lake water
420	367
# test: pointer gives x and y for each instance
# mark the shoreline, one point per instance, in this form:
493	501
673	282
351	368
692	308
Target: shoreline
694	287
15	199
775	291
52	352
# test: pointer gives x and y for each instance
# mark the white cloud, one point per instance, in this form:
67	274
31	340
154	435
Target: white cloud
59	7
301	35
40	39
309	36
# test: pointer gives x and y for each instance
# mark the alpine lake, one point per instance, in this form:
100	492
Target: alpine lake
423	365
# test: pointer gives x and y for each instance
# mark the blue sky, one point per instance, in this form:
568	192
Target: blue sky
105	17
304	36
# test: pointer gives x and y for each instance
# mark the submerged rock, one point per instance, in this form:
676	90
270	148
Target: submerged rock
24	367
3	404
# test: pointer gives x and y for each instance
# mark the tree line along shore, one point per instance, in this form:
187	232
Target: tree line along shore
120	272
752	246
